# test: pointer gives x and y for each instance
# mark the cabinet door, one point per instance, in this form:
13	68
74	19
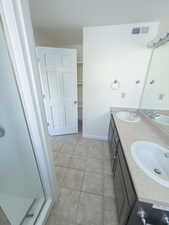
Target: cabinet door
115	137
114	161
121	195
110	136
127	179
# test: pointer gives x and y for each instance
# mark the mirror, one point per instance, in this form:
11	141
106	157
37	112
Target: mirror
155	97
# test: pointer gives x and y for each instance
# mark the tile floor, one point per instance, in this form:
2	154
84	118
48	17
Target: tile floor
83	171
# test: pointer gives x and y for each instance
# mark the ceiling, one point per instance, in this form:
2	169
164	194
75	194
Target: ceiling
63	20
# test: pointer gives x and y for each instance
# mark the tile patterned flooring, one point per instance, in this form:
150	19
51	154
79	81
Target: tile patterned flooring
83	171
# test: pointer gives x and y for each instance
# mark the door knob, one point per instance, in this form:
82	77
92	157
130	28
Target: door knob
75	102
2	132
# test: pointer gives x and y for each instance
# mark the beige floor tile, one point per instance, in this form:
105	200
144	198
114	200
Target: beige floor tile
106	145
83	165
68	148
60	174
108	185
78	163
93	183
56	147
85	141
94	165
110	218
98	145
55	155
70	139
66	210
73	179
109	203
81	150
55	142
107	166
62	160
90	210
95	153
52	218
106	153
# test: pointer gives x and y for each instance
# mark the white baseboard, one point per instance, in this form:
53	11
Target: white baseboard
95	137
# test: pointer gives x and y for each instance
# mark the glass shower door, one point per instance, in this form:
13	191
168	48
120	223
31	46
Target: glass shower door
21	191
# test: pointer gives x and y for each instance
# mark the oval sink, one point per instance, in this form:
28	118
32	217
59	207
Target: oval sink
153	160
128	116
162	119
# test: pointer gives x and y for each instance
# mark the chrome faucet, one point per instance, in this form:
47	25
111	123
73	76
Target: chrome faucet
153	115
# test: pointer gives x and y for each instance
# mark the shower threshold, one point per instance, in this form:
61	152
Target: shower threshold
15	207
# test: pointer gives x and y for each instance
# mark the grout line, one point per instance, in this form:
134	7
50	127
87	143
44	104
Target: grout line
91	193
77	208
102	172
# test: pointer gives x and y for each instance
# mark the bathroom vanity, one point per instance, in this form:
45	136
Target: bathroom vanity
139	199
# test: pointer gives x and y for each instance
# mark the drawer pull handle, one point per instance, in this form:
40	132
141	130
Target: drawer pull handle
165	219
142	214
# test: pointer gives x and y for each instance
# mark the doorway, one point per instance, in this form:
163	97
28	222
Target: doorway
61	81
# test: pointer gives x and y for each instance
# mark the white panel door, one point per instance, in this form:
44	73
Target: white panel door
58	71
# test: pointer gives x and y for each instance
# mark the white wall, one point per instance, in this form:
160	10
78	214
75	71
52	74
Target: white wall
159	72
112	52
164	25
48	40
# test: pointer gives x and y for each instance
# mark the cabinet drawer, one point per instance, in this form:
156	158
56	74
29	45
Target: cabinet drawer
127	180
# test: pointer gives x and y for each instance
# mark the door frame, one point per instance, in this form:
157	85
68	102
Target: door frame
16	20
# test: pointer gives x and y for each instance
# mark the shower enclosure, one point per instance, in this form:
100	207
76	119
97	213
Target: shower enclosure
28	187
21	190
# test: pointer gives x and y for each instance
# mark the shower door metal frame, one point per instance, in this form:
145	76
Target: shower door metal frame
17	25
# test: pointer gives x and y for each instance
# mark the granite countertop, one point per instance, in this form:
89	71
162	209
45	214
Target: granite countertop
146	188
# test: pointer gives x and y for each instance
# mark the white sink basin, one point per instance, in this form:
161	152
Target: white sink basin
128	116
163	119
153	160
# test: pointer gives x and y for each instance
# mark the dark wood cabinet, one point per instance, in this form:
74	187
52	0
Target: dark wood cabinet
127	203
123	188
110	135
113	140
121	197
130	191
